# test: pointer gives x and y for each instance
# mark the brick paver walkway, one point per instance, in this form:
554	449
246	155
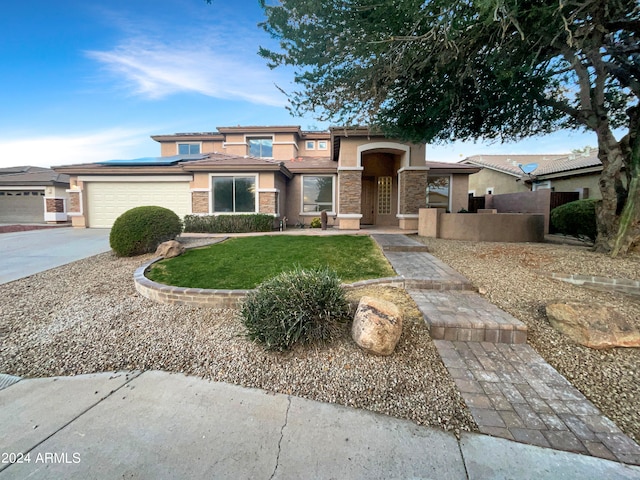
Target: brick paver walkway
510	390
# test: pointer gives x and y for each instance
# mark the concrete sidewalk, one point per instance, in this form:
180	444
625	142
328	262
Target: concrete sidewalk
160	425
30	252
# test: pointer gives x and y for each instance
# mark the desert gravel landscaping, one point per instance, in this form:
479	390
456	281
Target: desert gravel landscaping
87	317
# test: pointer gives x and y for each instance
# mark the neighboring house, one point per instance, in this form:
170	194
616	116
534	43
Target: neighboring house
358	176
32	195
561	173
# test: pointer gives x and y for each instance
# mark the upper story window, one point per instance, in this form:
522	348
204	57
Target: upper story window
322	145
188	148
261	147
310	145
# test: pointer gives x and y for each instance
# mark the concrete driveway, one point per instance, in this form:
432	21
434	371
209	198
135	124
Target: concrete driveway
25	253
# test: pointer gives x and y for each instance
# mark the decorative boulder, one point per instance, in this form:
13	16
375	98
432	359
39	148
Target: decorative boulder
593	326
377	326
170	249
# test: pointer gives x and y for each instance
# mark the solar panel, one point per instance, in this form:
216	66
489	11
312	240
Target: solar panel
153	161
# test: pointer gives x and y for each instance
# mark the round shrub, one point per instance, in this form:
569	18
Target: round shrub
295	306
141	229
315	223
576	218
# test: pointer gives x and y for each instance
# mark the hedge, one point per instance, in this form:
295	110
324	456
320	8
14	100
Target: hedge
258	222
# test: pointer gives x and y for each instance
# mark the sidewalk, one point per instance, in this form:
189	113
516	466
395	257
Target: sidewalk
157	425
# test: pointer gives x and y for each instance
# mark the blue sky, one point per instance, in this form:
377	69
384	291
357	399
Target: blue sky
85	80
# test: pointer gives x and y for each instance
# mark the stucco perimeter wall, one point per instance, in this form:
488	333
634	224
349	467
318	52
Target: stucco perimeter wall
481	227
499	227
523	202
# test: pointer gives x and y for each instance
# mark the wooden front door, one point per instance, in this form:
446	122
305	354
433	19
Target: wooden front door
367	199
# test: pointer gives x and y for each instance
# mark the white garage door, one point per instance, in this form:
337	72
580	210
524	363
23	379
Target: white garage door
107	200
21	206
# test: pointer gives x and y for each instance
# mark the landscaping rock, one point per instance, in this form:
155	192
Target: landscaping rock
593	326
170	249
377	326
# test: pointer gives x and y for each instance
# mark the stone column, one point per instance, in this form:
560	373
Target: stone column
349	193
413	195
200	202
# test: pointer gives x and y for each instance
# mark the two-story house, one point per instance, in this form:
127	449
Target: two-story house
358	176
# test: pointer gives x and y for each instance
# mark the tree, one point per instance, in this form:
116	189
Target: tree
443	70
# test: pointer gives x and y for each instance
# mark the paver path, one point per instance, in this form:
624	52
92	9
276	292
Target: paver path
510	390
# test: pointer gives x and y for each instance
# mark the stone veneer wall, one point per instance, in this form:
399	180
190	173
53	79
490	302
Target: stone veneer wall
413	191
350	182
74	202
55	205
200	202
267	202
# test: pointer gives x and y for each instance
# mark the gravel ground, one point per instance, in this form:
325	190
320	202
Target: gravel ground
87	317
511	275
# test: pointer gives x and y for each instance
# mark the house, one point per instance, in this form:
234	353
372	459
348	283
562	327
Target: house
32	195
360	177
502	174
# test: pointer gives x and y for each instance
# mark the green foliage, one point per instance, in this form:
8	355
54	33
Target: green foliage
258	222
141	229
576	218
315	223
295	306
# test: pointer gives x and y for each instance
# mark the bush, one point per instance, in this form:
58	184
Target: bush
141	229
295	306
316	223
259	222
576	218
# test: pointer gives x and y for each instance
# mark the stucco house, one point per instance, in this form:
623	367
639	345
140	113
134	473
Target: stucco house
561	173
358	176
32	195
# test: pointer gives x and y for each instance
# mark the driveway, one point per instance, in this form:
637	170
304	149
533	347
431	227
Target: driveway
26	253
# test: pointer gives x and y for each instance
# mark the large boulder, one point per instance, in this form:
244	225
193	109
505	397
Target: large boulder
377	326
593	326
170	249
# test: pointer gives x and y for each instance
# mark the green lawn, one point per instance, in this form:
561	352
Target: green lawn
243	263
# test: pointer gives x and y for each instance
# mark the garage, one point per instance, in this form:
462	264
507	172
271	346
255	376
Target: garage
21	206
106	201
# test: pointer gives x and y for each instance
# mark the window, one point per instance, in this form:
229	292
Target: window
322	144
384	195
188	148
234	194
310	145
317	193
261	147
438	191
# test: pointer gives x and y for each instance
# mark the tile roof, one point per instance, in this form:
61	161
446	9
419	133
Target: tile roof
547	164
31	176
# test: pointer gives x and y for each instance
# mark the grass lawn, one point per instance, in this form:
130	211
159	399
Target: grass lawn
243	263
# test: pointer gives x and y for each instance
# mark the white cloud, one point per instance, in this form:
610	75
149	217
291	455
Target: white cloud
50	150
157	69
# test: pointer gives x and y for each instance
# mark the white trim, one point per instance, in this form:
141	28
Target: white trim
350	169
312	142
487	192
55	216
535	186
350	215
233	175
200	190
268	190
407	215
316	214
225	144
23	188
326	144
472	192
333	191
135	178
411	169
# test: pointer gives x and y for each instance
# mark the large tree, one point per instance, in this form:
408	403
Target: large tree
444	70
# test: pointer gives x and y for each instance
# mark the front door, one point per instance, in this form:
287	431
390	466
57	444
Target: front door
367	200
